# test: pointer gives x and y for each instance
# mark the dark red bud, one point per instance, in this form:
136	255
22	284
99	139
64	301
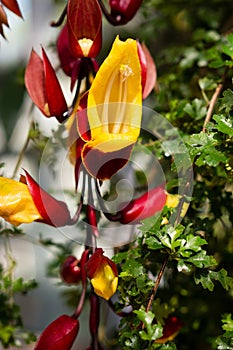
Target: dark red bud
70	270
143	207
124	10
59	335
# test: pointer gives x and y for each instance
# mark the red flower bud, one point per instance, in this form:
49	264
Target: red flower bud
70	270
84	20
143	207
43	86
59	335
123	10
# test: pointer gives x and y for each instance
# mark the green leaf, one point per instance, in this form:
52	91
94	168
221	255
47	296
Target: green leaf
132	268
196	109
227	322
201	260
207	84
207	278
153	331
224	124
227	101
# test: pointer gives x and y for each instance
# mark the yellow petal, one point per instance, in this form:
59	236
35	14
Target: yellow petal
105	282
115	96
16	204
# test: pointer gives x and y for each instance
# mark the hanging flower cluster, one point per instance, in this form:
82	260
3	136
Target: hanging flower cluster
103	122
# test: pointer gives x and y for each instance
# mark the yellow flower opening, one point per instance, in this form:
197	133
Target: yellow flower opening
16	203
85	45
105	282
115	98
114	109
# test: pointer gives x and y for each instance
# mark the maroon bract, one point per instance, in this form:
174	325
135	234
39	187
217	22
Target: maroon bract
44	88
59	335
84	20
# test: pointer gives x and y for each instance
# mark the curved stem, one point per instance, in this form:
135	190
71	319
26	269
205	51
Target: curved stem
211	105
214	100
60	19
156	285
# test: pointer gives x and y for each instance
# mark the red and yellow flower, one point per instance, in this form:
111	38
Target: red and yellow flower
110	125
25	201
103	274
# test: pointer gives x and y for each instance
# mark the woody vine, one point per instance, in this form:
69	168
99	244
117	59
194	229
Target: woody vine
123	108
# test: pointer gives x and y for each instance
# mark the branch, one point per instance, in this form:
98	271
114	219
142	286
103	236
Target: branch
211	105
160	275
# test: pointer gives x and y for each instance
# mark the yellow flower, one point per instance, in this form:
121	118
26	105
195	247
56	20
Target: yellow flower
114	110
105	282
16	203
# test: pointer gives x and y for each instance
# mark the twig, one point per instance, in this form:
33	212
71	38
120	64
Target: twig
211	105
156	285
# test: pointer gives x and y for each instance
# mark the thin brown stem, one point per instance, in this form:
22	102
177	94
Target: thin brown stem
211	105
157	282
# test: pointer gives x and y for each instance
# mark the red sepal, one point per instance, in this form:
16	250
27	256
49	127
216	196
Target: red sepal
143	207
84	20
3	17
148	70
13	6
55	98
43	86
59	335
53	211
35	82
